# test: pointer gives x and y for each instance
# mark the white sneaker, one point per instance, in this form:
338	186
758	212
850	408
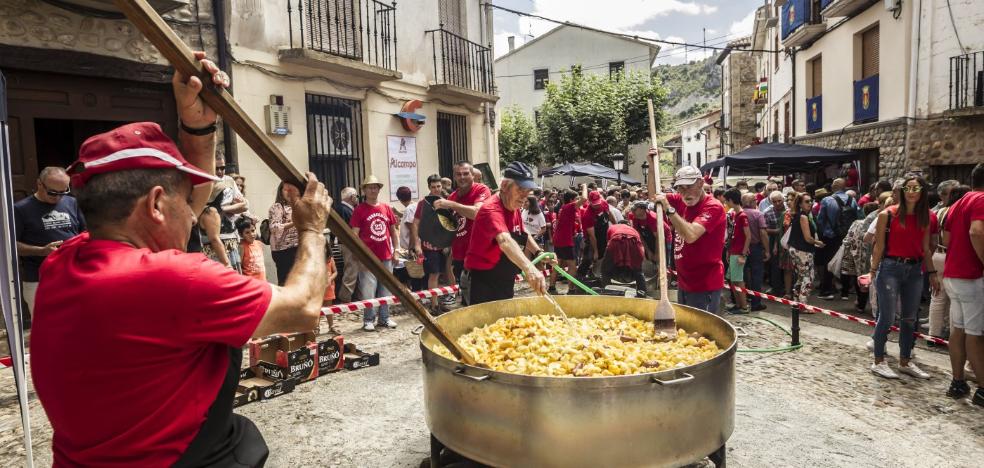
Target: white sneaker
870	345
914	371
882	370
390	323
368	326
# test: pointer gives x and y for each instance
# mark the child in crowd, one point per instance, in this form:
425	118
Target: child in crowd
251	248
330	291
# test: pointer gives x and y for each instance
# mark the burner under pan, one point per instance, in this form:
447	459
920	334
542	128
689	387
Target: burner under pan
443	457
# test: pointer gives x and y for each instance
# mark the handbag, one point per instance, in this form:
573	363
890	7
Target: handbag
834	265
785	238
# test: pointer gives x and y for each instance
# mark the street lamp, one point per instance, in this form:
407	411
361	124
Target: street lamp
618	161
645	173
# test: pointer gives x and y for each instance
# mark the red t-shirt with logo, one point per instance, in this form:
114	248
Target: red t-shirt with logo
564	235
737	246
374	228
961	259
493	218
130	347
699	263
479	193
591	213
650	223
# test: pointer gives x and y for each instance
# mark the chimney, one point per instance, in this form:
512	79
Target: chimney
512	43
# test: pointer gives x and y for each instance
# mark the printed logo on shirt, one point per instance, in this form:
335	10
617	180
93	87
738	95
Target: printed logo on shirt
377	227
56	220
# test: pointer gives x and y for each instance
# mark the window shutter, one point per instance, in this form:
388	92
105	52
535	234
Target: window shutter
450	13
817	71
869	52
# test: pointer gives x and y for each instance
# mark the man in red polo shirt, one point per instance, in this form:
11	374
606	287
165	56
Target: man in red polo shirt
564	231
699	222
465	201
498	246
963	278
136	345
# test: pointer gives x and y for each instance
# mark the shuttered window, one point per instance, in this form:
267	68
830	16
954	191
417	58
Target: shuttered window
451	16
816	76
869	53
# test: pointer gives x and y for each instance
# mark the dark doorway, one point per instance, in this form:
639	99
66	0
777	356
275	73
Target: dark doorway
57	141
452	142
335	149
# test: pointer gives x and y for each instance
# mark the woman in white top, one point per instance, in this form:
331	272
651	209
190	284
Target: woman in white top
533	220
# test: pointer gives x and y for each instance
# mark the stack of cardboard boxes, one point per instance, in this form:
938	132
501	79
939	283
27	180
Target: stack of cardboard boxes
278	363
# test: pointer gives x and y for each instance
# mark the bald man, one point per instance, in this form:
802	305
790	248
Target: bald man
43	221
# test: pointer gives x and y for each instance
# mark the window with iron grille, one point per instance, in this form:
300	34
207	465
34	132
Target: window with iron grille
540	78
869	52
452	142
615	69
959	172
335	148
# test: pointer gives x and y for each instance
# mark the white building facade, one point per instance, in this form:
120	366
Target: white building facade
697	139
523	73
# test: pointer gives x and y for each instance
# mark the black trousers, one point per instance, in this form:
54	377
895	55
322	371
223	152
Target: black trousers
609	270
284	260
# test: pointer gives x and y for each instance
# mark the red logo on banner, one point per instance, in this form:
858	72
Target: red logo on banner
865	97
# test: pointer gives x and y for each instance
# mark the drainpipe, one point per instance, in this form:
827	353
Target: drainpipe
489	118
792	99
222	44
913	78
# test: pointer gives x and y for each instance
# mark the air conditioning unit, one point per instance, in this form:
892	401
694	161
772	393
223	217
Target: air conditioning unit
277	116
891	5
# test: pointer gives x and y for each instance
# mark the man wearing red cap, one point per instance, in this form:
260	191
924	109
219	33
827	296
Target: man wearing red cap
595	221
137	345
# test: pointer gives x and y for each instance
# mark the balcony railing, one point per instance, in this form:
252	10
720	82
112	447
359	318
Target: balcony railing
967	81
814	114
361	30
460	62
866	99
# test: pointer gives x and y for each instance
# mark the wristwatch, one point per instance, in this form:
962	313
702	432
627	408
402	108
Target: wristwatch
671	211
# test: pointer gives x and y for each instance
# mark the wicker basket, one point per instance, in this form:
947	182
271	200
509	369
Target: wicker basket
414	269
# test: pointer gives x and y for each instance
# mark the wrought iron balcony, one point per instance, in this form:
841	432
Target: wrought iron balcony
967	82
801	23
356	37
461	67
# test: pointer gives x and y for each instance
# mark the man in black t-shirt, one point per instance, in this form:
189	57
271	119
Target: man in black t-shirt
43	221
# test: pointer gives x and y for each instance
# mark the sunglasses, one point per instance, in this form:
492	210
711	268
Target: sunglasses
912	189
55	193
806	200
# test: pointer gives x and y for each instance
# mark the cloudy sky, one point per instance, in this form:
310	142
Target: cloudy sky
673	20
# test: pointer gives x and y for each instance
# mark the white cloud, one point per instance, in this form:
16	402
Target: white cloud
743	27
618	14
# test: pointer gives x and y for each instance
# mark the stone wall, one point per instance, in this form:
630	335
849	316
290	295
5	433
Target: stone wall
940	142
742	81
888	138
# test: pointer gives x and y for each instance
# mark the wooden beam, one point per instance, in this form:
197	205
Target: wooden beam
182	58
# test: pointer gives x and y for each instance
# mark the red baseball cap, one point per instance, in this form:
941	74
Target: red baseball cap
141	145
594	198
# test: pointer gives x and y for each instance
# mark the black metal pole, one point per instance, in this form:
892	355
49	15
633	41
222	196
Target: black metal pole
796	325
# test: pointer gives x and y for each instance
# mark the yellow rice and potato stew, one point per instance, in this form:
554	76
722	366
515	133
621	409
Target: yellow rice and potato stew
596	346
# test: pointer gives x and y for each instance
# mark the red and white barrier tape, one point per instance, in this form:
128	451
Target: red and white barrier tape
832	313
6	361
389	300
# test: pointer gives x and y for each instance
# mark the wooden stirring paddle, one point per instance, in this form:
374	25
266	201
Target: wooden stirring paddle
664	320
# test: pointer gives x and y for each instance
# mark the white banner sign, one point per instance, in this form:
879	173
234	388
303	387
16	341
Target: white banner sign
402	155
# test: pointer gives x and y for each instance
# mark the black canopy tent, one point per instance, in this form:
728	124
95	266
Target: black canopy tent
588	170
780	158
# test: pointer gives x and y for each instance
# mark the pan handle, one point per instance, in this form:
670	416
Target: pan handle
679	380
460	372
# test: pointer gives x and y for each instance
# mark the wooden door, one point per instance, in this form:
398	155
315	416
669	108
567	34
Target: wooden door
52	114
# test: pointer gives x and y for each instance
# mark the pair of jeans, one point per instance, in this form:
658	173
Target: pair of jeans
898	285
370	288
709	301
754	271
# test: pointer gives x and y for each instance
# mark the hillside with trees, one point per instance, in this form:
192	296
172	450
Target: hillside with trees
692	88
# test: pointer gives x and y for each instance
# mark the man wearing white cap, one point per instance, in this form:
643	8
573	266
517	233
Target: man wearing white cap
700	224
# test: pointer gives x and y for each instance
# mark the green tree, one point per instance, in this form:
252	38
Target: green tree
589	117
517	138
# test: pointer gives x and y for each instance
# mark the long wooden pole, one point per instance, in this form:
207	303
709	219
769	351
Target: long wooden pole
657	185
182	58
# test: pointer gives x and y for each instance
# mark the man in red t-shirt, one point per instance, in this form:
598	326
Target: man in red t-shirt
563	238
434	260
596	213
738	249
963	278
699	222
644	221
498	246
465	201
375	223
136	345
